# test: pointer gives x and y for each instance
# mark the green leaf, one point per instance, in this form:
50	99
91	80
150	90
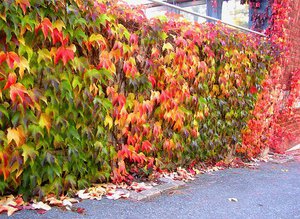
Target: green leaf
74	133
107	104
80	21
77	82
4	111
15	118
102	19
71	180
24	49
80	35
35	130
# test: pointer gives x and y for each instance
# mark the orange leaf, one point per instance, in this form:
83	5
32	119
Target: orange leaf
16	135
46	27
2	57
12	79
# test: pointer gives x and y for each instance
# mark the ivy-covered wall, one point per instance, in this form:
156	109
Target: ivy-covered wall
93	91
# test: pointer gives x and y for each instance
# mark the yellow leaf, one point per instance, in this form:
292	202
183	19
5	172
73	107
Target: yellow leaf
97	38
28	152
216	89
3	16
23	65
108	121
17	135
59	24
44	54
45	121
167	46
19	173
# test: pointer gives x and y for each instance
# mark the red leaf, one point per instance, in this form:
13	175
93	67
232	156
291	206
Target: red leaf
133	39
41	211
152	80
80	210
18	90
63	54
146	146
11	58
12	79
65	41
253	90
57	36
46	27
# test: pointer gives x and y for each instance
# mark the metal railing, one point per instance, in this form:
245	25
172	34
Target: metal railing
206	17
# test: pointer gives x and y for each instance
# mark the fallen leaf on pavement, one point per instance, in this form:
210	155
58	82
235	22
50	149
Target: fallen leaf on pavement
117	195
83	194
72	200
80	210
41	211
54	201
138	187
10	210
66	202
233	199
41	205
9	204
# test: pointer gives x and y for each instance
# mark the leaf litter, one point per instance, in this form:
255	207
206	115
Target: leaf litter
11	204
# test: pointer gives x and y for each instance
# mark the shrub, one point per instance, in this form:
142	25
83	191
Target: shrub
93	91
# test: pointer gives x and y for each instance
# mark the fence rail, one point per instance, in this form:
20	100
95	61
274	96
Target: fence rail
207	17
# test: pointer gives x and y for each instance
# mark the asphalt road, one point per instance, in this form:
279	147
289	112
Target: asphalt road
271	191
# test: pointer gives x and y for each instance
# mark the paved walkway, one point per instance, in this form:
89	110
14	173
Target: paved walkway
271	191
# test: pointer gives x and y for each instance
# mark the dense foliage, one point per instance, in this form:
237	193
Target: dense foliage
274	104
92	91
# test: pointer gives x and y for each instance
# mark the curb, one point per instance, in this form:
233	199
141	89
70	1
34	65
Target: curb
168	185
282	160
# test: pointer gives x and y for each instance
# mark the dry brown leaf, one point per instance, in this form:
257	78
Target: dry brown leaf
117	195
66	202
41	205
7	200
82	194
54	201
8	204
138	187
11	210
72	200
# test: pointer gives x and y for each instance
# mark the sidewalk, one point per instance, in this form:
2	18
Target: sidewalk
270	191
